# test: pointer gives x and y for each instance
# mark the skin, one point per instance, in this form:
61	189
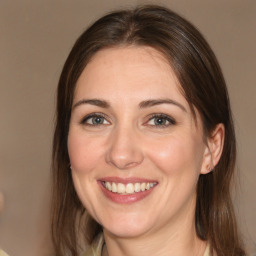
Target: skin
130	143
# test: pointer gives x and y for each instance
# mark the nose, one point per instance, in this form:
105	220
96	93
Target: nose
124	151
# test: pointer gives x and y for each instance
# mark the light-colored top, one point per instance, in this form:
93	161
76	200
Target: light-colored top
97	245
2	253
96	248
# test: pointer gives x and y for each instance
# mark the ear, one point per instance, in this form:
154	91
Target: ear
213	149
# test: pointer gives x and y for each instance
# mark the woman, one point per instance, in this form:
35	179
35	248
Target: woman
144	147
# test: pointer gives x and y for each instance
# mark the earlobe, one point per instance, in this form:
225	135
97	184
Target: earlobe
214	149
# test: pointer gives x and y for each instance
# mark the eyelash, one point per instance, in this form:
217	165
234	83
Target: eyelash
93	115
164	117
152	117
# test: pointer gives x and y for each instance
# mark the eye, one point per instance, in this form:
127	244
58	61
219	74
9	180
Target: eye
95	120
161	120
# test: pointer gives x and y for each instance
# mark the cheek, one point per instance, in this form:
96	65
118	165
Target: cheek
83	152
176	155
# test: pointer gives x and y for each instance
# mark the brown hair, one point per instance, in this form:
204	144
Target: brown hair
204	88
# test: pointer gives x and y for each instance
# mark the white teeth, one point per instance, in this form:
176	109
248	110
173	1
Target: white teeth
137	187
114	187
143	186
108	186
129	188
120	188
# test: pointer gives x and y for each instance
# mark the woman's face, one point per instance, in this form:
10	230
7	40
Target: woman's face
135	151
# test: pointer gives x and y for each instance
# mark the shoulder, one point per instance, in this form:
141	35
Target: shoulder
207	252
2	253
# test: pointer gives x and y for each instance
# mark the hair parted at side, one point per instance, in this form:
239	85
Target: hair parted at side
203	86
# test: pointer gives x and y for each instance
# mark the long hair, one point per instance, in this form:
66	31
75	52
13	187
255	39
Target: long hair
203	86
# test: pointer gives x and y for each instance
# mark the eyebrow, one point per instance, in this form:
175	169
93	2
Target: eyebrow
155	102
143	104
95	102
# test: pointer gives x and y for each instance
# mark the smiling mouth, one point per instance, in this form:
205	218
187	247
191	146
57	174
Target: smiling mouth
129	188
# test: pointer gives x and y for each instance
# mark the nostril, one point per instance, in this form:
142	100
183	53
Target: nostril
130	165
124	162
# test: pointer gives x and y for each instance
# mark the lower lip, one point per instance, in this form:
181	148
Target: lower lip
125	199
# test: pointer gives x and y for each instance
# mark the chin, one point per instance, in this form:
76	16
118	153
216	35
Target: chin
127	227
126	232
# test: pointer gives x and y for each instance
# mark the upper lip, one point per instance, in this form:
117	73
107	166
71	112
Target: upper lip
127	180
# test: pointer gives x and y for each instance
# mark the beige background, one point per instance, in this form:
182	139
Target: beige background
35	38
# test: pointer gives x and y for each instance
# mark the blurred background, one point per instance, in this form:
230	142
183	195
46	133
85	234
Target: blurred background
35	39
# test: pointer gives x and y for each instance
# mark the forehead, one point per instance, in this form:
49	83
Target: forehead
126	76
128	69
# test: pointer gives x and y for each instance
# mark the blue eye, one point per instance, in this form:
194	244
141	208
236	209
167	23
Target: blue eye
95	120
161	120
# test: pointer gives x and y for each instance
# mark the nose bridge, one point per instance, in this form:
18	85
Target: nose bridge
124	151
